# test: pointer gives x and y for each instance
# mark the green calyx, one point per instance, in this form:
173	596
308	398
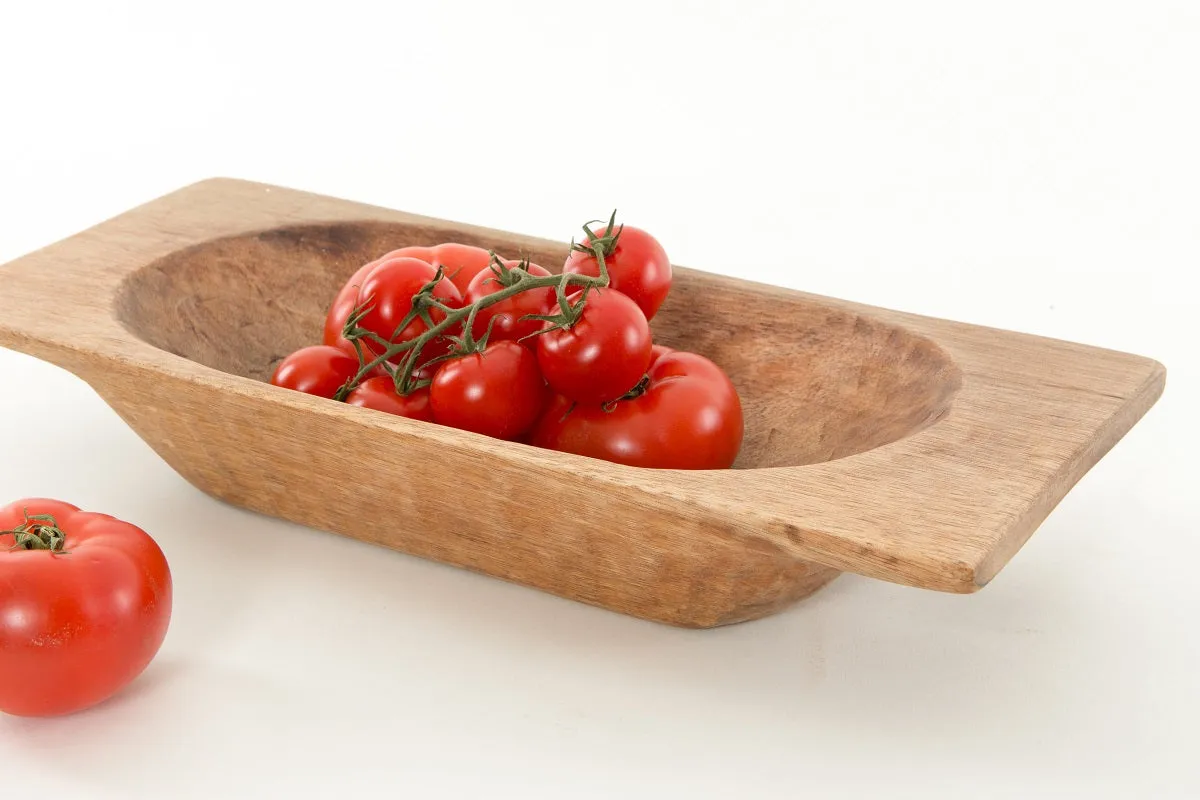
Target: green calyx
568	312
600	246
38	532
505	275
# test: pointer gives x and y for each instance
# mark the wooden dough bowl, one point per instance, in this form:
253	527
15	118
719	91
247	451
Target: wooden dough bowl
914	450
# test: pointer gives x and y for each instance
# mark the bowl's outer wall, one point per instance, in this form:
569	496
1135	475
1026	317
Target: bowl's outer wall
385	486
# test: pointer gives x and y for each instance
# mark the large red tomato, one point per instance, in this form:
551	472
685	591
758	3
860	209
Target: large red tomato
603	355
341	308
85	601
688	417
498	392
509	312
637	266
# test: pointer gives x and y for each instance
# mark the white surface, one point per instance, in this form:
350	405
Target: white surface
1027	165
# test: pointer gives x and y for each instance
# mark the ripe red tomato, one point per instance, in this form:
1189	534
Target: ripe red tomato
341	308
389	288
508	312
637	266
461	262
380	394
319	369
689	417
498	392
603	355
657	352
79	625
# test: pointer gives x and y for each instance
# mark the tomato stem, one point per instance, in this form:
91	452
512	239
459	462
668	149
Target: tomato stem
637	391
600	246
38	532
514	280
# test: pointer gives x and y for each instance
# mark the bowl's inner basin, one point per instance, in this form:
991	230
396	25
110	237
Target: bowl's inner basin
816	382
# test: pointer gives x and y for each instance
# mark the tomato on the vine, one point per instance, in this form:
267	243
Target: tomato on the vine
388	291
318	369
380	394
509	313
603	354
687	415
637	264
498	392
590	354
460	262
342	307
85	602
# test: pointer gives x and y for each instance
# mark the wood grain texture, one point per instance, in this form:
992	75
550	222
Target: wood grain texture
910	449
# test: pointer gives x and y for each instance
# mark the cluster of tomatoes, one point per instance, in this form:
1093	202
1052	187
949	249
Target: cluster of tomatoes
459	336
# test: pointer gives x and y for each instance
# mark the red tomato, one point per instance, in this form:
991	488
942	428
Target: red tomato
508	312
637	267
603	355
389	289
498	392
380	394
657	352
79	625
341	308
461	262
689	417
319	369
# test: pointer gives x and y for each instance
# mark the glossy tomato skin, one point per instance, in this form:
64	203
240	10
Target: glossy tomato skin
460	262
603	355
388	289
380	394
508	313
638	267
318	370
77	628
499	392
342	306
690	417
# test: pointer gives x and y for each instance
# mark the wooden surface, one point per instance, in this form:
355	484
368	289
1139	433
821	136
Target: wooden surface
909	449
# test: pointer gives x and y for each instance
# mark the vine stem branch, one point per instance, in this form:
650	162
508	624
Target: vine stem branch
423	301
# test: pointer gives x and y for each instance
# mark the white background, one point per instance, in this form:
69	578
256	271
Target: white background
1030	165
